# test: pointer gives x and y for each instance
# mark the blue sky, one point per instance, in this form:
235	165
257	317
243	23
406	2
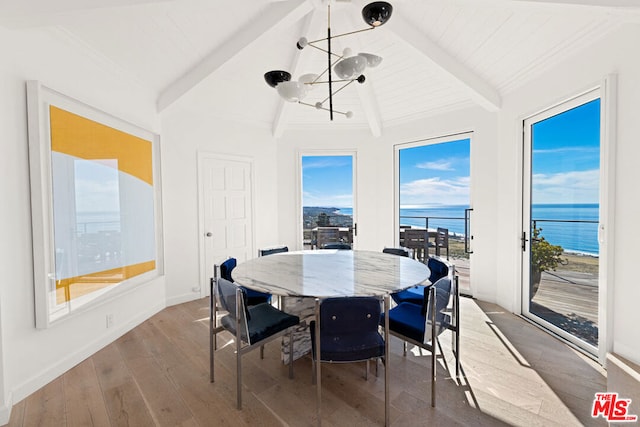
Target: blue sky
434	175
565	167
566	156
327	181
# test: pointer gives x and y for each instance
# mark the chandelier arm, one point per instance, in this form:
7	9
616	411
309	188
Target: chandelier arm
326	51
321	108
344	34
334	93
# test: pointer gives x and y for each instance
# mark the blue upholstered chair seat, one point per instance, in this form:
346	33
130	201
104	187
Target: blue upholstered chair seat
266	320
415	294
348	347
407	319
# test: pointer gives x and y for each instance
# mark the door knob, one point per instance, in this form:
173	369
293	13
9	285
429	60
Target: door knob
209	234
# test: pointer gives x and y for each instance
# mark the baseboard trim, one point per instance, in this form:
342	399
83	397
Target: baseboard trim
182	299
52	372
5	411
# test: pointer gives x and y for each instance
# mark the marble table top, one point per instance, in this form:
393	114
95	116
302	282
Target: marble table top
330	273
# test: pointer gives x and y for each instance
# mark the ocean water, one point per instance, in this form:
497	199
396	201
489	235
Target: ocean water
580	237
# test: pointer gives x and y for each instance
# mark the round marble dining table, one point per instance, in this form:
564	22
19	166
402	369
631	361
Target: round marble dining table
303	277
330	273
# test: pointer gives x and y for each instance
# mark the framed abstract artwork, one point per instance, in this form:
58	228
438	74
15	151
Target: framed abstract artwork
95	197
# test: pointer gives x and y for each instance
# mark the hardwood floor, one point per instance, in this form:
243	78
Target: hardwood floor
158	374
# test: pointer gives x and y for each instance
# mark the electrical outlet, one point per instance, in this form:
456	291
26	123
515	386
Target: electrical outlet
109	320
195	289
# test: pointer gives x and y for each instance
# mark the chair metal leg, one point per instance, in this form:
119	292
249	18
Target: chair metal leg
434	350
318	373
261	352
238	348
212	326
387	306
404	348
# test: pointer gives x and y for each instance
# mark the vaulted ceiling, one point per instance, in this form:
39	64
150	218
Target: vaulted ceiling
438	55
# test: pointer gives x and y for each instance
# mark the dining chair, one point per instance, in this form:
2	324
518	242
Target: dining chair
442	241
439	268
251	326
336	245
273	250
422	324
347	331
225	269
325	235
418	240
397	251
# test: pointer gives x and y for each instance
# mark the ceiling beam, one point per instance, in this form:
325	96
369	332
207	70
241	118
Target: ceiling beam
38	13
479	90
277	15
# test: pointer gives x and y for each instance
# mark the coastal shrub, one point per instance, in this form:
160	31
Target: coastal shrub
544	257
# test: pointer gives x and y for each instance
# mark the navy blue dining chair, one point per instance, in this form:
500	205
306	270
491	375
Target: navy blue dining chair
273	250
252	326
253	297
422	324
415	294
336	245
396	251
348	332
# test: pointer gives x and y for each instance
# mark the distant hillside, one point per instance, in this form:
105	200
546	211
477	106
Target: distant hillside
313	216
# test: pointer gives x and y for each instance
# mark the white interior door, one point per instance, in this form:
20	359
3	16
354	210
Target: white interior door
225	211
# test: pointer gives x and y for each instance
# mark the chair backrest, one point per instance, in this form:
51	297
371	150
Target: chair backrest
228	293
326	235
438	268
273	250
396	251
336	245
349	315
442	241
227	267
442	295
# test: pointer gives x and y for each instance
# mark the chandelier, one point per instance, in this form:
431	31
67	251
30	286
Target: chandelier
347	66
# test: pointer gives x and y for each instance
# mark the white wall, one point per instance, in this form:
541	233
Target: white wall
30	358
375	182
575	75
496	168
185	133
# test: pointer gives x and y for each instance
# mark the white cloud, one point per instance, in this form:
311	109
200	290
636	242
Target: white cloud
567	150
567	187
438	165
434	191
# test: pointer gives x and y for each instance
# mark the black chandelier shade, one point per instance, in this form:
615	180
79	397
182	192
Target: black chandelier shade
277	76
377	13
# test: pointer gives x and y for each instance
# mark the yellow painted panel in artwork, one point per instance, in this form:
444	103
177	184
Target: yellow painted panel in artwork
74	287
83	138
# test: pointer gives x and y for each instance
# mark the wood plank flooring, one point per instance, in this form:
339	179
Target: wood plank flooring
158	375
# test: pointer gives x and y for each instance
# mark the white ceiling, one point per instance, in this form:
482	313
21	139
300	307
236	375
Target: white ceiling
439	55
